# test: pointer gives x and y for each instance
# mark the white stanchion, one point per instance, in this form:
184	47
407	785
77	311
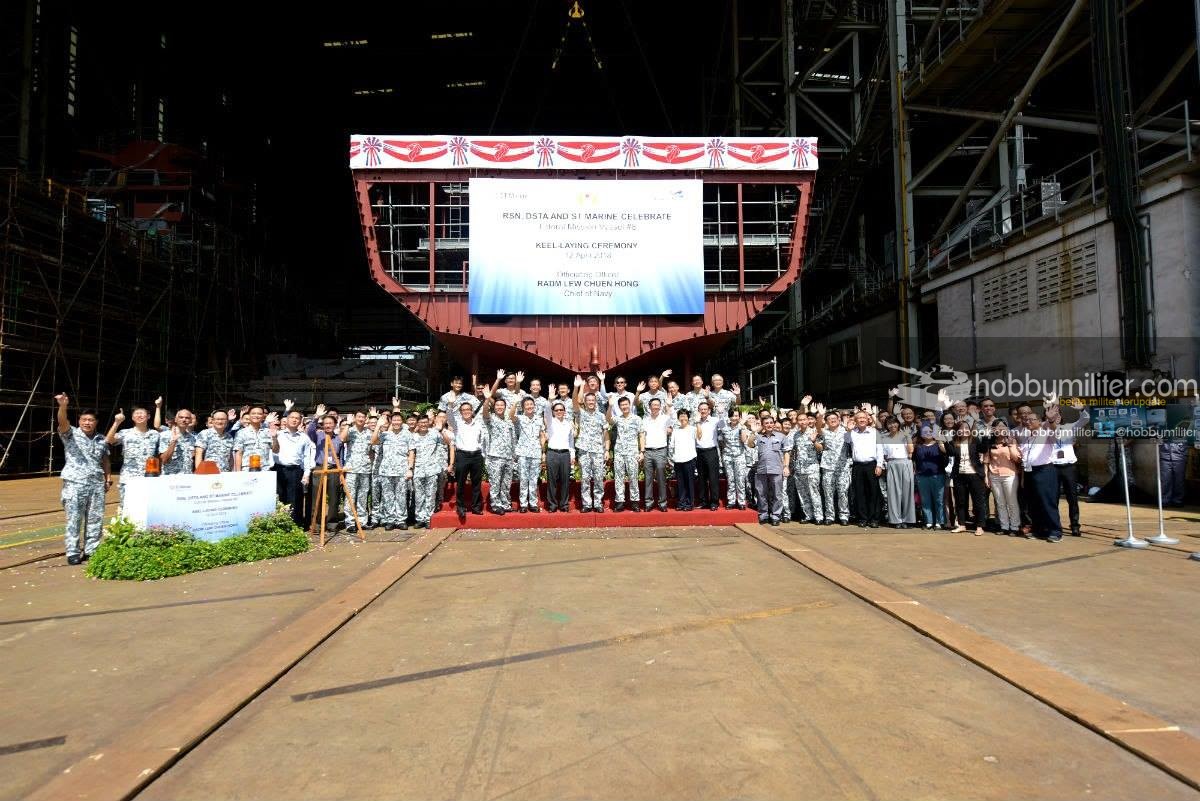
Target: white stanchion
1130	541
1162	538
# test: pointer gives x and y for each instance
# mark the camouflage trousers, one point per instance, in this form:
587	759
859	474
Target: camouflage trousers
500	480
625	469
529	469
736	471
835	486
425	491
83	501
358	493
377	499
807	481
390	506
591	479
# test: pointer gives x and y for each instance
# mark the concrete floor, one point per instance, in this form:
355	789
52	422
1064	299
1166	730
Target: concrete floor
83	658
1122	621
615	663
642	668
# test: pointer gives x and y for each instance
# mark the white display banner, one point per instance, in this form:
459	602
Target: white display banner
562	247
212	507
629	152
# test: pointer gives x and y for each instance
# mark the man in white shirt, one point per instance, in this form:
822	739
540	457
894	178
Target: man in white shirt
294	462
708	493
865	458
466	459
560	457
1037	453
657	426
1064	458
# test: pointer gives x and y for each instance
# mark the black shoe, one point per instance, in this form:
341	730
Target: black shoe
714	507
633	507
1054	538
351	529
662	508
872	525
762	521
74	560
533	509
523	510
585	509
775	521
402	526
843	522
389	527
619	507
1075	532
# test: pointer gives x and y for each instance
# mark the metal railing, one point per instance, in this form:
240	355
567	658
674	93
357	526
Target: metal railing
1010	215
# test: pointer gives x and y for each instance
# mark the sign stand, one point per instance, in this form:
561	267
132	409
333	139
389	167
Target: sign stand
1162	538
1130	541
322	499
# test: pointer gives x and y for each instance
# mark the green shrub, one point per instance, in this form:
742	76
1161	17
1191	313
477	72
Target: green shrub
130	553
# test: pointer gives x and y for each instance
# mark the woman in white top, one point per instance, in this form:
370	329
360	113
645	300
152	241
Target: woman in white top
895	447
683	454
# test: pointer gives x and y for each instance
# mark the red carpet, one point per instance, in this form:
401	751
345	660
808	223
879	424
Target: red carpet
448	518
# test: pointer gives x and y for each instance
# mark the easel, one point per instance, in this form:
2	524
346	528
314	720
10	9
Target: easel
322	499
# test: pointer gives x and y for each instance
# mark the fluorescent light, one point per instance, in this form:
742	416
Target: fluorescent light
345	43
465	84
387	91
453	35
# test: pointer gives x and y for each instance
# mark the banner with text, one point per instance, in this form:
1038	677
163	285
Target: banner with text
549	246
210	506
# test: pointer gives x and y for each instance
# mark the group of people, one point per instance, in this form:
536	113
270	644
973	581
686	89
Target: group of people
809	464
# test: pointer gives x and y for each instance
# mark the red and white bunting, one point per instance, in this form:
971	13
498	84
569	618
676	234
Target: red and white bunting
583	153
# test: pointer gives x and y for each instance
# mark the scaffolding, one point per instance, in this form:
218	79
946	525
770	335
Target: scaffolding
950	130
114	312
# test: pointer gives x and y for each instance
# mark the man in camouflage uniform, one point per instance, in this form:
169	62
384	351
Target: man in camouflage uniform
358	469
215	444
137	445
393	444
698	394
783	425
677	402
806	445
751	458
732	439
722	399
426	467
376	423
531	439
655	390
627	453
541	404
255	440
442	428
452	401
177	447
591	447
85	475
835	470
501	453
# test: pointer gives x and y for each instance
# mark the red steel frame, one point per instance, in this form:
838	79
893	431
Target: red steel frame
560	344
